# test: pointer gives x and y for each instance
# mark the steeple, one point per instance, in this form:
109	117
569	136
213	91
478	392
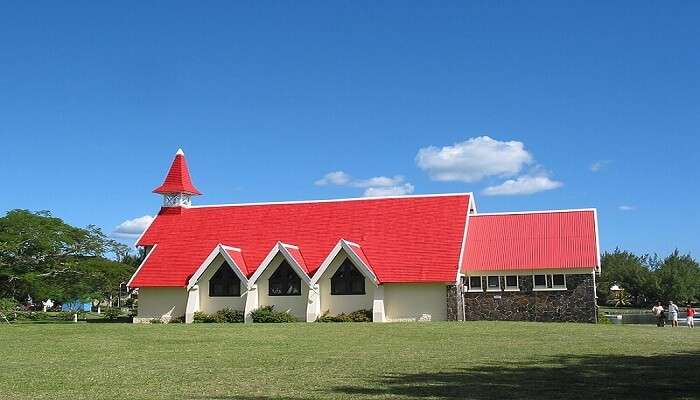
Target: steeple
177	188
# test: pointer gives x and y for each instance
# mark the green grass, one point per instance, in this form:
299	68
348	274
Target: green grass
477	360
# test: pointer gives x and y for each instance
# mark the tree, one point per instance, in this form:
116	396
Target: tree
679	278
626	270
42	256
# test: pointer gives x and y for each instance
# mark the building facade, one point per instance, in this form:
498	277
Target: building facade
404	258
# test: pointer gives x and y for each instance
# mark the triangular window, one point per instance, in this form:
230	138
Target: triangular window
284	281
225	283
347	280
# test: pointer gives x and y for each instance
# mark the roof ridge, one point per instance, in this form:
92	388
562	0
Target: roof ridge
411	196
569	210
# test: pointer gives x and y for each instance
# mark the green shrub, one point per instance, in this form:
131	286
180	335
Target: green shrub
229	316
64	315
201	317
27	316
355	316
267	314
155	321
226	315
112	313
7	305
602	318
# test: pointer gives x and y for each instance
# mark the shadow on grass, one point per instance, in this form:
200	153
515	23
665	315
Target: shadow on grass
674	376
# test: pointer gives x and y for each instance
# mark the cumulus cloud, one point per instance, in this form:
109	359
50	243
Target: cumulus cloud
132	228
526	184
334	178
599	165
375	186
627	208
397	190
474	159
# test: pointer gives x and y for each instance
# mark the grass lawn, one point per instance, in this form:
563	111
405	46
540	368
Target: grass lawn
474	360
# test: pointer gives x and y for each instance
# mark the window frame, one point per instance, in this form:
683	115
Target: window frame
353	273
488	283
511	288
469	284
549	283
295	280
217	275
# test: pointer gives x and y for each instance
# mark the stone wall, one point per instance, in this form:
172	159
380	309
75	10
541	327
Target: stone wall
455	303
576	304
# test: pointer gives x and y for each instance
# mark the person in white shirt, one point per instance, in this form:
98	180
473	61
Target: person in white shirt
673	309
658	311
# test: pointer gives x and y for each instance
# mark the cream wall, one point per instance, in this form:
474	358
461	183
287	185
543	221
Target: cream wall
295	305
213	304
162	303
335	304
415	302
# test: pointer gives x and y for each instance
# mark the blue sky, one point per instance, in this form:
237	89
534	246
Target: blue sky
530	105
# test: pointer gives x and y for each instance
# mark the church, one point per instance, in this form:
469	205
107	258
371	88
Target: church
404	258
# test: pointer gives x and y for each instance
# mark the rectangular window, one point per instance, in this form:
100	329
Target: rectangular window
558	281
512	282
540	281
493	283
475	284
549	282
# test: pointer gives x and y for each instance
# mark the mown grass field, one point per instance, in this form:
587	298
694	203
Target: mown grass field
477	360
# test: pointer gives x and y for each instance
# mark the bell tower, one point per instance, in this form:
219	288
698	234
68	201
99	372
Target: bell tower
177	188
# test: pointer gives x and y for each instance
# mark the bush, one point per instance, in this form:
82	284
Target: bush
65	316
267	314
28	316
355	316
226	315
7	305
201	317
229	316
155	321
602	318
112	313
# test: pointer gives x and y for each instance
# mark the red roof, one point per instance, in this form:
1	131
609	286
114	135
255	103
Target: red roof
296	255
178	179
404	239
237	258
536	240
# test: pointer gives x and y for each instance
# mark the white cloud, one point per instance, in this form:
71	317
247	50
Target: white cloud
375	186
334	178
380	181
599	165
132	228
397	190
526	184
627	208
474	159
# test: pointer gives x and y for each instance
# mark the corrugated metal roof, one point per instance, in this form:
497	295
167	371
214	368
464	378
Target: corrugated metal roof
536	240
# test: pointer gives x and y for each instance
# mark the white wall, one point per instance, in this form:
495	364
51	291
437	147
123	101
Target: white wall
415	302
335	304
161	303
213	304
295	305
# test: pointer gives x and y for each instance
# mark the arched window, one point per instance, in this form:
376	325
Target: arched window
284	281
224	283
347	280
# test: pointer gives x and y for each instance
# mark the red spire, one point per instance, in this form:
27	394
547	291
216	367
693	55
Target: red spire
178	179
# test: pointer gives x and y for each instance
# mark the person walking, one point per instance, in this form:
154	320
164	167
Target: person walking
673	309
658	311
691	315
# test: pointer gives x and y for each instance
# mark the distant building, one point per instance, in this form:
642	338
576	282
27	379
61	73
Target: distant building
405	258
